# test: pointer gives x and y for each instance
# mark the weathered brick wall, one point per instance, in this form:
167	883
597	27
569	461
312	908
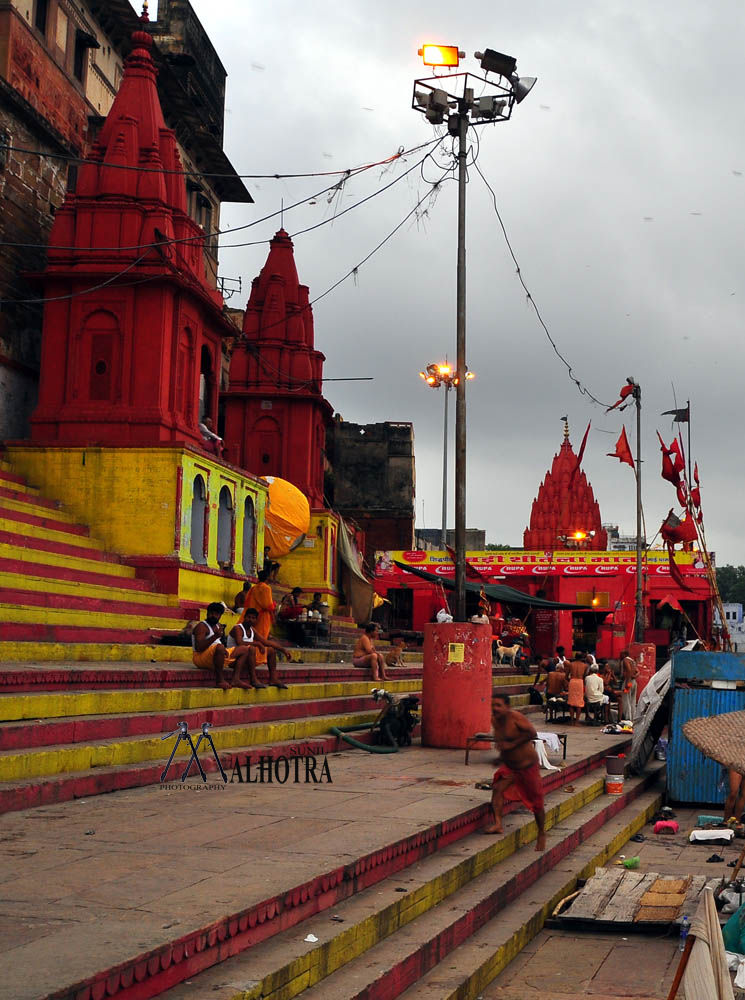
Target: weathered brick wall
31	189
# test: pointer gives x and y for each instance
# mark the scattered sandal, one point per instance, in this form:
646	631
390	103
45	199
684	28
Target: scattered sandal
715	859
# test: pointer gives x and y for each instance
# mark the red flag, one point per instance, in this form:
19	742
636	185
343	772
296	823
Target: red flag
623	451
696	496
671	602
674	530
670	469
580	455
674	570
626	391
695	474
682	497
677	456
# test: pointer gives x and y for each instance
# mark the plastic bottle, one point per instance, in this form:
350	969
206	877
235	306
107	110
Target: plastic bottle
684	927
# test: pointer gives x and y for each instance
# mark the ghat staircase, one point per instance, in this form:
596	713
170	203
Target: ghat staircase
85	699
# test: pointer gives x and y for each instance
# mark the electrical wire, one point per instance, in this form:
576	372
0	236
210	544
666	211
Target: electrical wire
349	171
583	389
234	229
169	242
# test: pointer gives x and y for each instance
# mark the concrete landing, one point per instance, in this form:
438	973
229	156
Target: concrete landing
89	884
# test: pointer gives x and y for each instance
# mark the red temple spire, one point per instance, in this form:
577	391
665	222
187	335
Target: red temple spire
564	507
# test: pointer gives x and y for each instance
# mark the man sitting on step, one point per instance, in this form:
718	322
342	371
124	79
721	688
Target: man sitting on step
208	643
244	636
519	776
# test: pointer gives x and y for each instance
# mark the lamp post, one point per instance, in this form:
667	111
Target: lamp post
462	109
437	375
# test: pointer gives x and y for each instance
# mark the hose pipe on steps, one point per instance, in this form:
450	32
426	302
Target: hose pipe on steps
341	732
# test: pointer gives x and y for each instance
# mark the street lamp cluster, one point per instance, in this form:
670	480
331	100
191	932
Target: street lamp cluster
462	109
436	375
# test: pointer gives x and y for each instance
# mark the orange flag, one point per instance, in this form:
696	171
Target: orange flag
623	451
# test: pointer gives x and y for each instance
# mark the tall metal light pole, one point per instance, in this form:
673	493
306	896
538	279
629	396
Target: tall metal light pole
444	375
495	103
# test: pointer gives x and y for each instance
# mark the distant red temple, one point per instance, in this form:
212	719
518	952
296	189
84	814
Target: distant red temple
565	560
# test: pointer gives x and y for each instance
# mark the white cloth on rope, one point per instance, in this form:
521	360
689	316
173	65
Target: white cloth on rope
543	760
551	740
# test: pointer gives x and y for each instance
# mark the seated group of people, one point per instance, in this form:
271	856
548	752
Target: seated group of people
304	623
581	684
242	649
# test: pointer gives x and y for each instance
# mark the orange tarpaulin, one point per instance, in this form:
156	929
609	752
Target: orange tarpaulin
287	517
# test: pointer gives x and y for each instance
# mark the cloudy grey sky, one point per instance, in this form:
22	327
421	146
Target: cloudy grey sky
621	181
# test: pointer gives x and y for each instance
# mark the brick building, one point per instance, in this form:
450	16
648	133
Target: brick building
61	65
371	481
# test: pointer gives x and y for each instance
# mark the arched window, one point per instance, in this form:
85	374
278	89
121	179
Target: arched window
249	537
102	346
225	527
206	381
198	521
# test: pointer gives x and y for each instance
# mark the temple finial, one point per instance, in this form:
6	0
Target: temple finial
566	427
144	16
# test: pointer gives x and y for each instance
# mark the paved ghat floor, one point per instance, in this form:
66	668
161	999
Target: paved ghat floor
92	882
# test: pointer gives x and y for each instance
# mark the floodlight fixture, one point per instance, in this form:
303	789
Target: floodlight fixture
522	86
496	62
447	56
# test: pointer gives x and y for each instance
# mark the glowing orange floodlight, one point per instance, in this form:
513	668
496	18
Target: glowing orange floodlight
431	380
443	369
441	55
579	535
470	375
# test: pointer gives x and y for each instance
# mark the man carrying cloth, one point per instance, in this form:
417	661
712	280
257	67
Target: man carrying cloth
518	778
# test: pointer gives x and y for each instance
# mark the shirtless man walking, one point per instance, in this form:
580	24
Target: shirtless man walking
366	655
628	687
518	776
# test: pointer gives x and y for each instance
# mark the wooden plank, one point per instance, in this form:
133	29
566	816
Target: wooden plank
622	908
690	904
593	898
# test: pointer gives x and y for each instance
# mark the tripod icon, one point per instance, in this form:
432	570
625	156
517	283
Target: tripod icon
185	736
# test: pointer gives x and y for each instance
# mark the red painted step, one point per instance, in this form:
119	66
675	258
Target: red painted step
46	570
30	498
13	477
18	678
29	734
31	632
72	602
59	548
55	524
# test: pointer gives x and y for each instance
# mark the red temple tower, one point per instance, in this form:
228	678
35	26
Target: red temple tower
132	326
275	413
565	508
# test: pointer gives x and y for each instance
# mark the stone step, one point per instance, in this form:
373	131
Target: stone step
115	604
44	580
164	671
25	515
12	479
178	951
469	968
19	547
68	541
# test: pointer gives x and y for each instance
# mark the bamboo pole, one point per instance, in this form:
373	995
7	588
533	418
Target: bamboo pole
681	967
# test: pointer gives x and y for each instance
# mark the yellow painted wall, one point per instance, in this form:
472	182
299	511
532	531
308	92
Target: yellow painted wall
304	567
128	497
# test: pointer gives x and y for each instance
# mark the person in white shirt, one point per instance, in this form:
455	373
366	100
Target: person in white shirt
212	442
594	691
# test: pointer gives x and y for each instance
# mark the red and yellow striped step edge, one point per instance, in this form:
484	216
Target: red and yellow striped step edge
131	618
165	965
15	766
7	475
102	601
22	582
15	546
14	526
58	705
24	503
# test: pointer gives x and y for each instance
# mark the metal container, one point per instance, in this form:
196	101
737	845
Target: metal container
704	684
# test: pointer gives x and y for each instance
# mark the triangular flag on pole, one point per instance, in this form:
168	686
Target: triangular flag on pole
580	455
625	391
623	451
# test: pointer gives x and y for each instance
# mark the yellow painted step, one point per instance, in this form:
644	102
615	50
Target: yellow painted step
11	484
93	652
41	556
15	766
60	704
50	585
23	614
50	534
37	509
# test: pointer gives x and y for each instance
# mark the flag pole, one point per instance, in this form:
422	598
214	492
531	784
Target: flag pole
639	615
690	478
